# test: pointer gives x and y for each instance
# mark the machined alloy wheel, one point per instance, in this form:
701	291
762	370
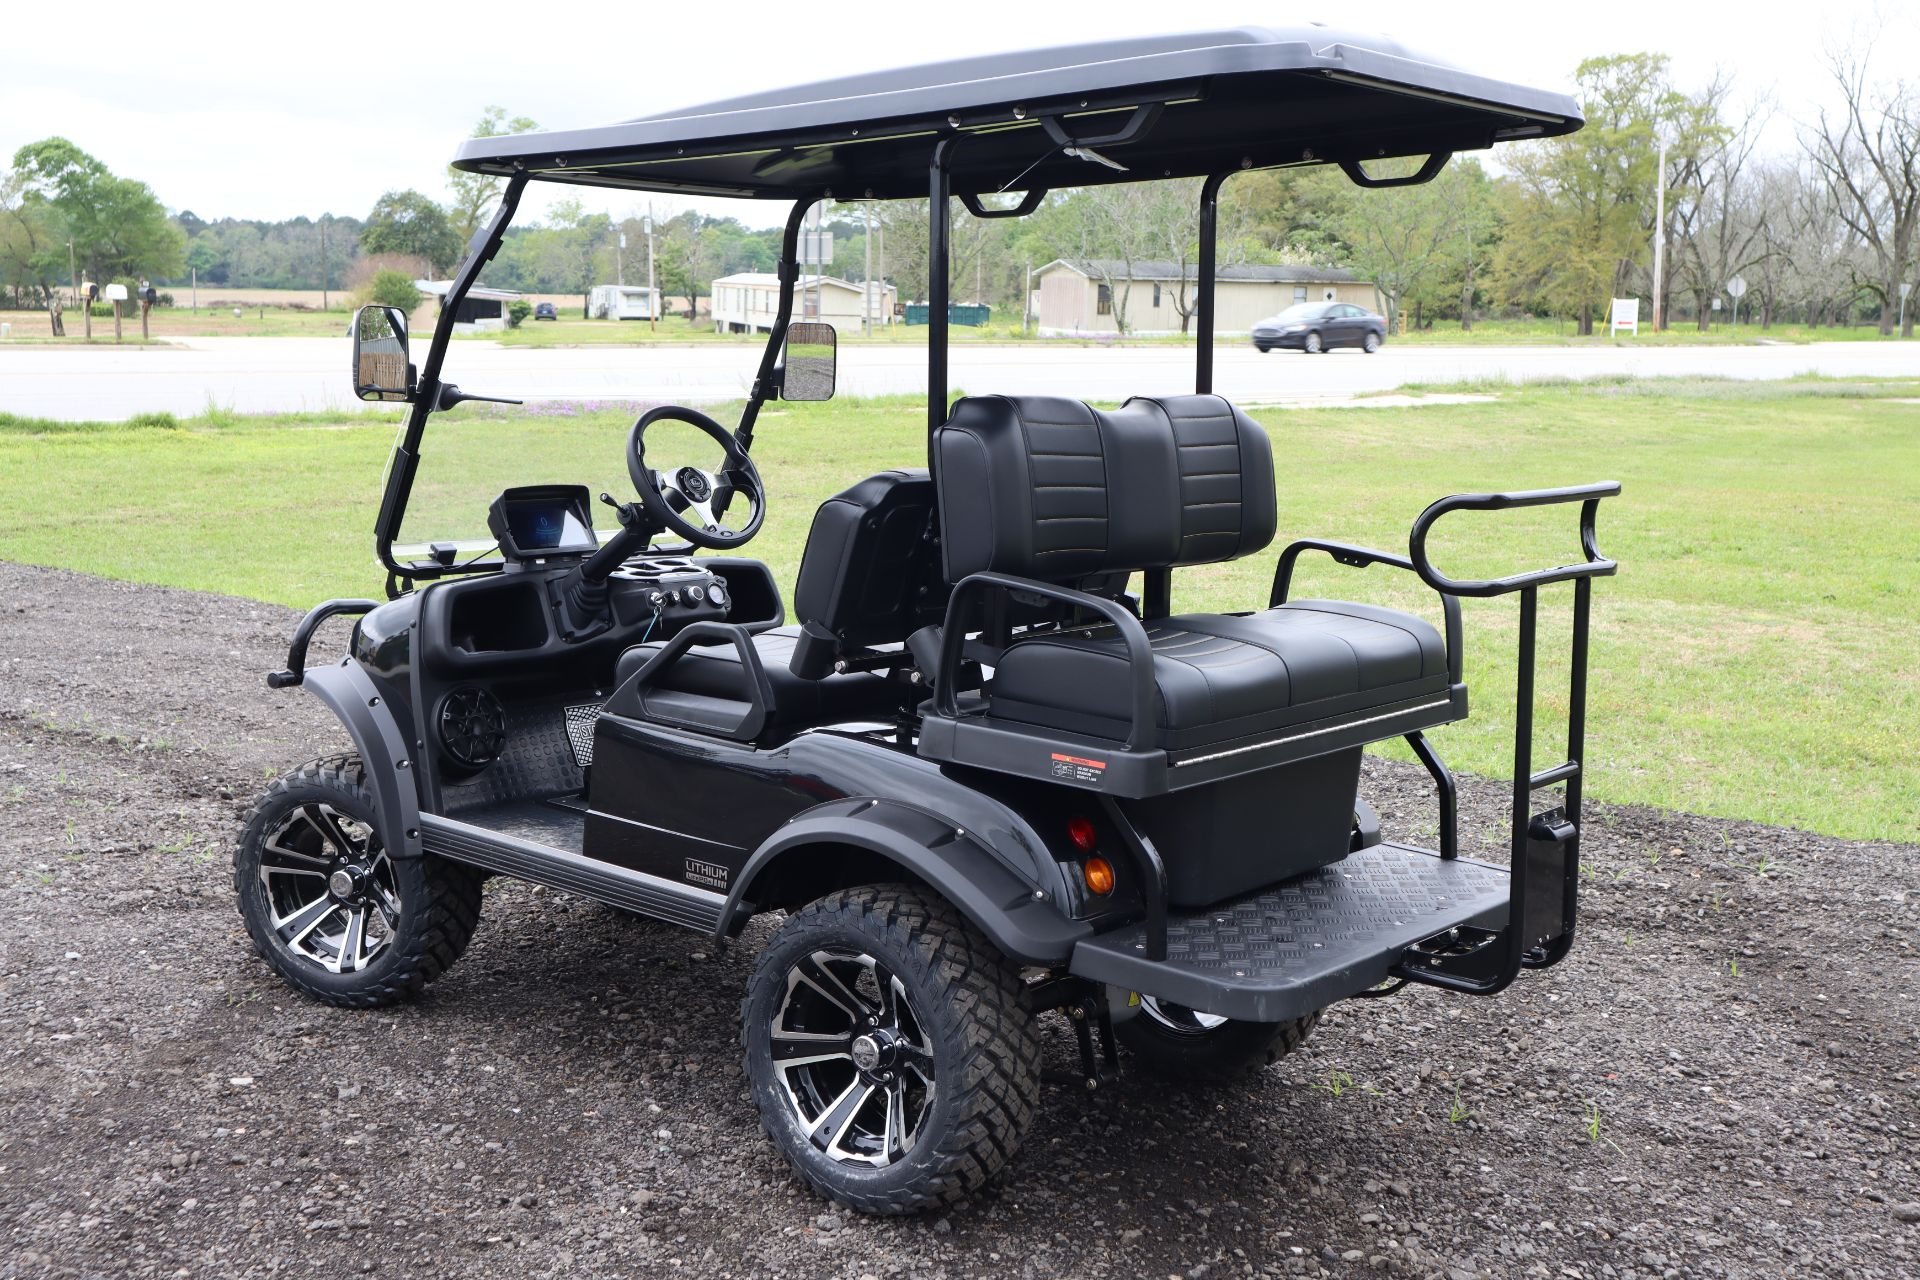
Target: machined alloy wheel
331	887
853	1057
1178	1018
893	1060
1312	345
328	906
1185	1044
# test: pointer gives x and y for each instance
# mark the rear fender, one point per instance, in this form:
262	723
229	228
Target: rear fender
350	695
1020	918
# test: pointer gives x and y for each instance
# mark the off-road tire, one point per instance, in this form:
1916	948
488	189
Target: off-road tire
1230	1052
440	900
986	1046
1313	344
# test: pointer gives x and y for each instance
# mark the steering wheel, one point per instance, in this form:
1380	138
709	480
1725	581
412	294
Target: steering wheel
687	501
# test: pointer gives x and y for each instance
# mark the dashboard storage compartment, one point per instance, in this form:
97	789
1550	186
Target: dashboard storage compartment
1241	834
506	618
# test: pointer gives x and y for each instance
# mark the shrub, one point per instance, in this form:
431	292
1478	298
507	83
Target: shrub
391	288
517	311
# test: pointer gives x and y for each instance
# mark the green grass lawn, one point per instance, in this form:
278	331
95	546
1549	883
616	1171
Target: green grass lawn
1757	656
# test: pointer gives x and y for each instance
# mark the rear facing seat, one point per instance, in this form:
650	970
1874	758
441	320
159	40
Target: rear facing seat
1053	490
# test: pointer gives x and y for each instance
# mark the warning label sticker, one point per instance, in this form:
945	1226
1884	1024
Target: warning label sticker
1078	769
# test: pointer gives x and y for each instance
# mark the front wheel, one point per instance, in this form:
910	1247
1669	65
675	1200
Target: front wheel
1313	345
1372	343
329	909
1181	1043
892	1060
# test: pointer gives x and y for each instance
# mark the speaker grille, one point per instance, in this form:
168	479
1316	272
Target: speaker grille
473	728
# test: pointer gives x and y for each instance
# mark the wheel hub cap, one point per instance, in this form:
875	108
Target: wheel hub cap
343	883
866	1053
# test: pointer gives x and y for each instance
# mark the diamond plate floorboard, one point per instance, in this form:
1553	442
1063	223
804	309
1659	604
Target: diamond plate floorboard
1301	945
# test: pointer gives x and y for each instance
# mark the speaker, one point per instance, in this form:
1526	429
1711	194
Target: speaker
472	727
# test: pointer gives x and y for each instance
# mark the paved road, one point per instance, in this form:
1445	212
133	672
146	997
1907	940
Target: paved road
255	375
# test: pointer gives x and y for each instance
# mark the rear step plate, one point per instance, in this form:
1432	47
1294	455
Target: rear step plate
1299	946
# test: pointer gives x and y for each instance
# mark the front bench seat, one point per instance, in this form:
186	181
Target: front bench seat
869	578
1051	489
708	689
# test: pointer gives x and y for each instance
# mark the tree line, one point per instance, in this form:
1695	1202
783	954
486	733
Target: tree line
1827	234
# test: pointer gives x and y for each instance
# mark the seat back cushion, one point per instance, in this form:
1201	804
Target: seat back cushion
871	574
1049	488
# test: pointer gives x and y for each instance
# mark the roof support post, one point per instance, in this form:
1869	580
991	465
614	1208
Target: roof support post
789	271
406	454
1205	293
939	269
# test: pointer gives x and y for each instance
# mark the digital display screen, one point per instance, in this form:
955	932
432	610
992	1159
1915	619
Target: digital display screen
548	525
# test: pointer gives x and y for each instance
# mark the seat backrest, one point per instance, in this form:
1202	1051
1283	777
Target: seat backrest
1052	489
871	572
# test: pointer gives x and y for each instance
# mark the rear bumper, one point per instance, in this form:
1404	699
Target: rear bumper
1297	947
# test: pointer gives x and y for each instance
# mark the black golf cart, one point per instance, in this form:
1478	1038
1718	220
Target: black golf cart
980	763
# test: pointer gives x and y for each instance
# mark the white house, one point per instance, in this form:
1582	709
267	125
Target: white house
622	302
482	310
749	301
1083	298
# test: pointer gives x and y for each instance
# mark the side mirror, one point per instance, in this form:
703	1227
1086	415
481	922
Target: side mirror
381	370
810	362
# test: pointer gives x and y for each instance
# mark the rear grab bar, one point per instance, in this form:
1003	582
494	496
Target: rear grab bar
1595	565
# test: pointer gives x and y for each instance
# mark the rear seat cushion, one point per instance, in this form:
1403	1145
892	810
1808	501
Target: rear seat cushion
1225	676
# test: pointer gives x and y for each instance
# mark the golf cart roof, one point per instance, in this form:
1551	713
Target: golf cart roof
1254	97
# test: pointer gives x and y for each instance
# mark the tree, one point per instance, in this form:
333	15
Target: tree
1577	207
475	193
118	227
1869	154
390	288
409	222
30	242
1423	244
583	241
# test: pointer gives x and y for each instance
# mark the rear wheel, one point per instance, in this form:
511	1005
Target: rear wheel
1172	1040
1372	342
1313	346
893	1063
336	916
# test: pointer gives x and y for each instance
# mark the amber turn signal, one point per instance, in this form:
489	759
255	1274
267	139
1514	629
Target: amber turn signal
1099	876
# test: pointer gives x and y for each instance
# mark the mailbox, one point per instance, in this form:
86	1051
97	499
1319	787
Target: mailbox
116	293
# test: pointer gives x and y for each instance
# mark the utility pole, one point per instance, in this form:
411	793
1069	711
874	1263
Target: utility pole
323	265
620	261
194	276
653	309
866	306
73	265
1660	246
1026	303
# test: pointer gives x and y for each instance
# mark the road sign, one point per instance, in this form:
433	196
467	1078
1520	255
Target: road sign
1737	287
1625	314
1906	289
816	248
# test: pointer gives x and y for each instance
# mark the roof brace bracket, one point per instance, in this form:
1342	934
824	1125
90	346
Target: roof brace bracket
1138	125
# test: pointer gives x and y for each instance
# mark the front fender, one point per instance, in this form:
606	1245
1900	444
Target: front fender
1018	917
350	695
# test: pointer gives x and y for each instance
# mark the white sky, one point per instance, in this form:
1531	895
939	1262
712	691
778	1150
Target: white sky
270	110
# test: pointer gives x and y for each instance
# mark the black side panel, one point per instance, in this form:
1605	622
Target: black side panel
1239	834
348	692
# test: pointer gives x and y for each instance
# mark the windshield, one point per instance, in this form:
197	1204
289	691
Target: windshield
1302	311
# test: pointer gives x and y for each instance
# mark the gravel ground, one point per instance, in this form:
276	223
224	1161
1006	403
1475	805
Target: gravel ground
1723	1080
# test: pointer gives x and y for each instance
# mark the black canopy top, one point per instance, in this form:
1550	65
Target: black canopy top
1215	101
